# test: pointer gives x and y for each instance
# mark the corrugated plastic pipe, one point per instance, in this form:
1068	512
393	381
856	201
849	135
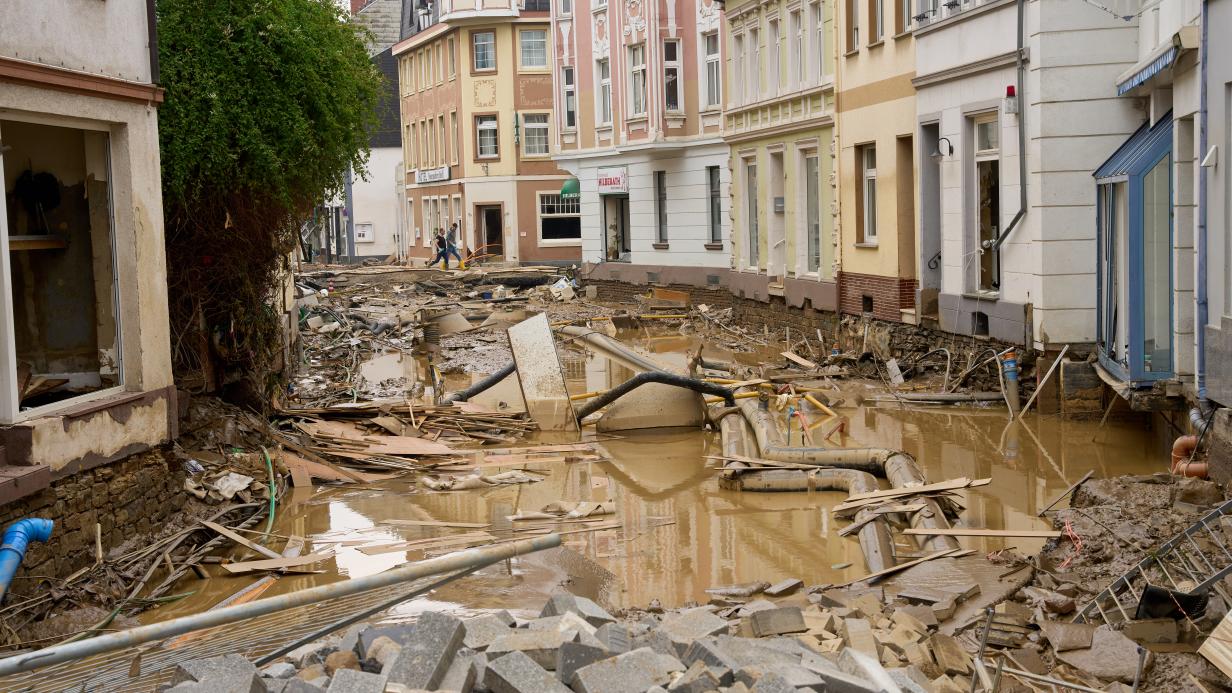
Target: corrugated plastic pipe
897	467
13	547
485	384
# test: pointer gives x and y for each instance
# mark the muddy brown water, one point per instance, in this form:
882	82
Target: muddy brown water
681	532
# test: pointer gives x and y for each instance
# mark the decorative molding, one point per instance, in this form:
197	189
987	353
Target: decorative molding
600	35
635	17
969	69
58	78
484	93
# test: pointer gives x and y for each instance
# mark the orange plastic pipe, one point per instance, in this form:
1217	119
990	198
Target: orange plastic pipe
1182	451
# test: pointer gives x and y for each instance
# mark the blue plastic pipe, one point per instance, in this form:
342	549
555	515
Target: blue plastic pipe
13	546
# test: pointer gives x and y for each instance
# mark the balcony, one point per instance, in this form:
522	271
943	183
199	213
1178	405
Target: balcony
461	11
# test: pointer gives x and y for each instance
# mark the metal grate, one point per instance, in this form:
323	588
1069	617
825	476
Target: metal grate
1178	559
144	658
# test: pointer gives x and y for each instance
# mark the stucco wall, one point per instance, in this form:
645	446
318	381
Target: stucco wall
101	38
1219	206
378	201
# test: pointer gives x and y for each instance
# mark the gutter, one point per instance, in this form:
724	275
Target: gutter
1021	94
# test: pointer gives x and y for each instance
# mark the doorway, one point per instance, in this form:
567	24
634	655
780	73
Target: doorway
616	223
930	218
491	230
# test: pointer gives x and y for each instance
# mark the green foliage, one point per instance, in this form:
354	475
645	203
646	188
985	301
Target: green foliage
268	104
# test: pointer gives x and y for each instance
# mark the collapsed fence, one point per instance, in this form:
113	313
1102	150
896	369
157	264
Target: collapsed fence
143	658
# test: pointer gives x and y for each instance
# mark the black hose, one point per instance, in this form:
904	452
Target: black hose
640	379
485	384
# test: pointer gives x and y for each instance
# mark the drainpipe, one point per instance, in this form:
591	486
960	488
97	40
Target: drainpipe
13	547
1202	316
350	218
1021	95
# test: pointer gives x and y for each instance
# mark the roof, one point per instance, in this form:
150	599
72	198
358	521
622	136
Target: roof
384	19
388	131
1140	150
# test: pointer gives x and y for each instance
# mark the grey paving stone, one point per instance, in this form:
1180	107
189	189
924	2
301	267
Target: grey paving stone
787	619
279	670
539	645
351	681
631	672
616	637
424	659
460	677
687	626
594	614
226	674
574	655
483	631
517	673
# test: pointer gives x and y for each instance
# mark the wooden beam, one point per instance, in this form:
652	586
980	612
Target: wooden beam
977	532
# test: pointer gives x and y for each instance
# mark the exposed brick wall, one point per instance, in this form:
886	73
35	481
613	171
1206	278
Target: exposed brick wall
890	294
134	496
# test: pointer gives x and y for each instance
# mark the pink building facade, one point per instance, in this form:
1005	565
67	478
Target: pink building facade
637	120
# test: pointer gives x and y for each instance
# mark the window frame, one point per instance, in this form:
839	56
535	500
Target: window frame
475	35
752	213
984	156
638	94
540	215
738	69
853	26
480	121
660	193
714	185
876	21
753	81
603	95
799	72
522	66
452	50
568	90
714	69
817	53
868	194
668	89
453	124
546	126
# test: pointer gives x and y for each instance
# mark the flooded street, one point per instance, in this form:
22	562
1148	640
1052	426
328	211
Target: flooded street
681	533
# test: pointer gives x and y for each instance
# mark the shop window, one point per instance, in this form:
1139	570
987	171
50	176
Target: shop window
60	294
560	218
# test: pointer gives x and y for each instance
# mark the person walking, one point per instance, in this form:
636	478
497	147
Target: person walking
451	243
442	249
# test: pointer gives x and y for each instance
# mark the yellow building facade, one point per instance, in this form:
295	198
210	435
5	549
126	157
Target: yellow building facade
779	124
876	159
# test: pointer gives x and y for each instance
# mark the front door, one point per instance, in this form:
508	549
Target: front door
493	232
616	223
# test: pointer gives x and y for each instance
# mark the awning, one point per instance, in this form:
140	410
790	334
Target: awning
571	189
1150	70
1140	150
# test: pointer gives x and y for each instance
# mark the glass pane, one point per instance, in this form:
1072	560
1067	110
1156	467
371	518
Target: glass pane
986	136
813	208
1156	270
754	231
988	217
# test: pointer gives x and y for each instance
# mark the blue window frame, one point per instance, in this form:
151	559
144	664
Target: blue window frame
1134	331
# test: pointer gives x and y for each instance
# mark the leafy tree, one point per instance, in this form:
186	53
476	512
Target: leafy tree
268	103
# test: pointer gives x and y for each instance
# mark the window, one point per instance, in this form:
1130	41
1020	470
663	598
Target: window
600	3
457	215
605	91
868	193
444	140
876	20
750	203
570	97
812	211
487	137
818	57
671	75
988	200
413	145
754	80
438	62
772	47
902	16
535	134
799	69
533	45
431	130
484	53
408	149
560	218
660	181
425	76
453	58
716	204
566	7
853	25
63	289
637	79
714	71
364	233
738	68
453	129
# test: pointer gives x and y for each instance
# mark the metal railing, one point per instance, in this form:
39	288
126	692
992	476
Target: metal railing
143	658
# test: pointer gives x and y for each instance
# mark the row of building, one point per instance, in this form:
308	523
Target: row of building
1042	172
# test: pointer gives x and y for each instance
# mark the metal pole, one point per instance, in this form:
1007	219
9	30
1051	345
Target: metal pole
219	617
1141	665
983	645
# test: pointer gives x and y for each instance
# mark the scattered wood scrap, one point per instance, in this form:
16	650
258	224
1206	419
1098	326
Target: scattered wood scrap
977	532
860	500
873	577
276	563
799	360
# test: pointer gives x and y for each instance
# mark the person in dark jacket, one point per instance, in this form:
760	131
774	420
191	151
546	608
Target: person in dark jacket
442	249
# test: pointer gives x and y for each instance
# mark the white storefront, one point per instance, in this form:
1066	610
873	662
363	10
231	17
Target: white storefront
661	204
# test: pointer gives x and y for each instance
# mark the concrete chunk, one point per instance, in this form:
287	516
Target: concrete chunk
561	604
351	681
483	631
685	627
950	656
573	656
517	673
699	678
784	587
616	637
788	619
1111	656
460	677
632	672
1064	636
772	683
707	651
424	659
539	645
859	635
226	674
862	666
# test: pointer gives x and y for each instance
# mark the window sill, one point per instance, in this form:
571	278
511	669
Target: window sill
659	246
877	44
713	246
852	52
868	244
560	244
524	70
640	118
982	295
712	110
902	34
536	157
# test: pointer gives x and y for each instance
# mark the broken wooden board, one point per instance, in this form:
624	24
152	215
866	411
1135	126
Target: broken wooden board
277	563
799	360
541	376
948	553
1218	646
976	532
470	538
862	499
322	471
438	523
268	553
406	445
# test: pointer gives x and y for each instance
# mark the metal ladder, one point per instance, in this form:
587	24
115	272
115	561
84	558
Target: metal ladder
1179	558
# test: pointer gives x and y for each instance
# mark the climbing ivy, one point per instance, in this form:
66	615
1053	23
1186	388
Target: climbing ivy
268	103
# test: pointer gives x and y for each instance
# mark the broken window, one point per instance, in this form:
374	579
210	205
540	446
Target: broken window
988	201
60	327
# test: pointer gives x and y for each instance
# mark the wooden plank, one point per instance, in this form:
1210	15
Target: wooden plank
948	553
268	553
319	470
976	532
435	543
406	445
1066	492
800	360
438	523
1218	647
862	499
277	563
1043	382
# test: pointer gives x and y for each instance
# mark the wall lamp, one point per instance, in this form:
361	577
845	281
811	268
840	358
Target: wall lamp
942	150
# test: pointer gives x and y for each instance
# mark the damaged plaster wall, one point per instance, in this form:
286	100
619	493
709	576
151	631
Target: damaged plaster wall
60	441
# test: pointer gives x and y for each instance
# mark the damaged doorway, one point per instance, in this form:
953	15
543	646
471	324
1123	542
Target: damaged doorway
492	229
59	329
